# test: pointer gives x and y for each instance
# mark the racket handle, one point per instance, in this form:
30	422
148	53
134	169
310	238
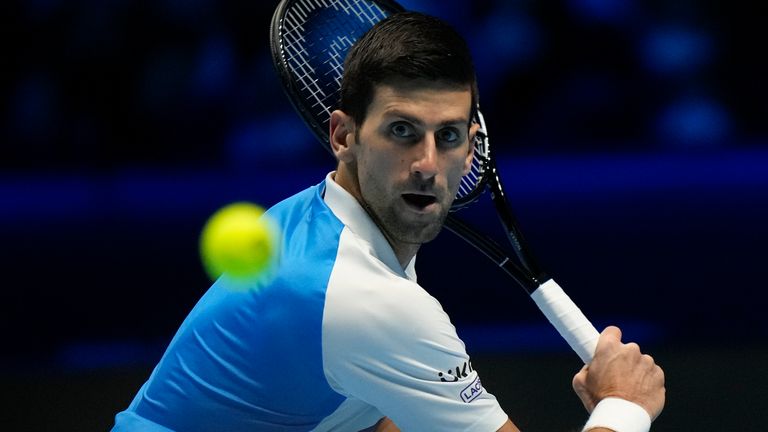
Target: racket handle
567	318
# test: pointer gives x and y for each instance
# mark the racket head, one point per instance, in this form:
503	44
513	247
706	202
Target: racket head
309	40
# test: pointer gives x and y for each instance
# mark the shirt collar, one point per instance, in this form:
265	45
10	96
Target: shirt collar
351	213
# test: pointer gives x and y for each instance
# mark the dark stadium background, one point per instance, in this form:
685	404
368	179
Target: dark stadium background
632	138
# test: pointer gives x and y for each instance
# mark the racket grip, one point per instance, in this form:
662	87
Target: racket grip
567	318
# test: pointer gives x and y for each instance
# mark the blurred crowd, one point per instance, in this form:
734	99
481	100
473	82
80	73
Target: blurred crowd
94	85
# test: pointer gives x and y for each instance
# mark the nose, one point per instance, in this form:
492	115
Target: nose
425	164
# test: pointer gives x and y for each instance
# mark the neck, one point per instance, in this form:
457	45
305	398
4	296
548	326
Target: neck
347	179
403	251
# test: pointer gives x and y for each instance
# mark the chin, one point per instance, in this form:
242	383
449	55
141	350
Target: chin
424	233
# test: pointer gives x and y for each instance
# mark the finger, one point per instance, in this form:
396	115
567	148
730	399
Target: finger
634	348
579	384
580	379
612	332
609	341
648	361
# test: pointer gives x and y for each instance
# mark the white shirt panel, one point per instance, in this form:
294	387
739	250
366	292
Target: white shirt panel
387	342
352	415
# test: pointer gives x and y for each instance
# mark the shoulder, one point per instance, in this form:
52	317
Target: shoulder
309	234
361	287
303	207
374	315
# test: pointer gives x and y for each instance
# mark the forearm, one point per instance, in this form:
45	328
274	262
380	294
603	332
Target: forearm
386	425
510	427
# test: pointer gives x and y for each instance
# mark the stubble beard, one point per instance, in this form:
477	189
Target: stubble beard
394	224
405	231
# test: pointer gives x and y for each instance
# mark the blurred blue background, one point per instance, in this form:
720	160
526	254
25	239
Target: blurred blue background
632	138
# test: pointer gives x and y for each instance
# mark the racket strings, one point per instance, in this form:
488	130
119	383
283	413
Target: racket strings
473	183
302	65
297	59
316	36
365	11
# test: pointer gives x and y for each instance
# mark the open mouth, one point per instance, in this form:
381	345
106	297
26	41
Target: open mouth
419	201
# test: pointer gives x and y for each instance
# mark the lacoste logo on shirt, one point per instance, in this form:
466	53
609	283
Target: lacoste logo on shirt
472	391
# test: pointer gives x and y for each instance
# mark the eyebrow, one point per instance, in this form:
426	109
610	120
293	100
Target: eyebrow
414	120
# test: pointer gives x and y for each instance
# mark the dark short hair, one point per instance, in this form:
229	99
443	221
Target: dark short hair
405	45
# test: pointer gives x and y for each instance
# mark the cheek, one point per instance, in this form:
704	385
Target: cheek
382	164
455	179
387	165
375	173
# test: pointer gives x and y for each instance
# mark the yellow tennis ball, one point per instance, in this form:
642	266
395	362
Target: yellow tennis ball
239	240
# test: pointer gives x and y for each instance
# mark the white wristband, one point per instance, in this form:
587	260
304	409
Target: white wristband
619	415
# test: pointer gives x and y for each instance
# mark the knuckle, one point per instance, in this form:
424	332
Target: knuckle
632	349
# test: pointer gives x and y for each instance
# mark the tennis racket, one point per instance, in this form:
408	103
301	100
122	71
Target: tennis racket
309	42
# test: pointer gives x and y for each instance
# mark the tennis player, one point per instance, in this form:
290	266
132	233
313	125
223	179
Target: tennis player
343	338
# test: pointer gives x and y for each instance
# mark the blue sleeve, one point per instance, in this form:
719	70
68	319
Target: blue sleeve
251	359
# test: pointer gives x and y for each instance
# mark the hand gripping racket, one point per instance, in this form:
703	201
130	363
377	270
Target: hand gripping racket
309	41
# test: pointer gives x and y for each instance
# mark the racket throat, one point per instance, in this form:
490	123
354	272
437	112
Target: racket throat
514	235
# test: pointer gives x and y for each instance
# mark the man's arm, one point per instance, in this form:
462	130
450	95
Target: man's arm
618	370
386	425
510	427
621	370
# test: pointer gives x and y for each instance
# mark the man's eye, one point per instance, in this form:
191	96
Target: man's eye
448	135
402	130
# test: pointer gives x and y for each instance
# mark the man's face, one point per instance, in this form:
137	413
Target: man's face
411	151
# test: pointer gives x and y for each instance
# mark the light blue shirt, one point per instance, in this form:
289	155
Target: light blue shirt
339	336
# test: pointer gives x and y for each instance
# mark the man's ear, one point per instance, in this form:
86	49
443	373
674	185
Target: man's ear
471	154
342	136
